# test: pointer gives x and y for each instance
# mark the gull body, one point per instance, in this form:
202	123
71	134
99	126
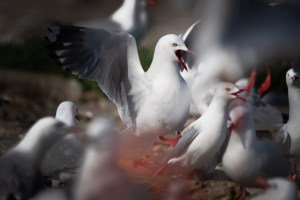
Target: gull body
65	156
246	157
288	137
203	138
20	175
101	177
150	103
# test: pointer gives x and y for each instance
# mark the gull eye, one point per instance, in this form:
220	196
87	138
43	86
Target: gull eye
227	89
175	44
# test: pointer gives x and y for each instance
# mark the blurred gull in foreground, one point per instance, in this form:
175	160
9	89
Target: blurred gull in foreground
277	189
153	103
20	175
64	157
101	177
203	138
132	17
288	137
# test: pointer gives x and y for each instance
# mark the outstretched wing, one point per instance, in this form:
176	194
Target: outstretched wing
282	140
110	58
188	135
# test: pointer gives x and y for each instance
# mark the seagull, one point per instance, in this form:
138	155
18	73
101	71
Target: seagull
101	177
153	103
20	175
132	17
65	156
288	137
276	188
264	113
203	138
246	157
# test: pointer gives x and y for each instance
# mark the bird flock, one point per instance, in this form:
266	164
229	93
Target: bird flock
200	72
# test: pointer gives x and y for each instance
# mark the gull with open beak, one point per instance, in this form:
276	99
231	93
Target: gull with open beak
203	138
153	103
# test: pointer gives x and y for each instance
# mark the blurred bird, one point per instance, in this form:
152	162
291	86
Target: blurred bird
277	189
234	36
65	156
263	113
20	175
101	177
151	104
132	17
246	157
288	137
203	138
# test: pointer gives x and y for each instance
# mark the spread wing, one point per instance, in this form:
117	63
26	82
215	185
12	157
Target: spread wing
188	135
282	140
110	58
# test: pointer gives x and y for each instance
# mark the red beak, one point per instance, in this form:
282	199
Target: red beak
239	97
180	58
294	77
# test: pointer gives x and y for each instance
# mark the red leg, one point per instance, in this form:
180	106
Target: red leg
173	141
240	193
160	170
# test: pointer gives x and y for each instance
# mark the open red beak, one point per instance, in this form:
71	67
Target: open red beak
180	58
294	77
239	97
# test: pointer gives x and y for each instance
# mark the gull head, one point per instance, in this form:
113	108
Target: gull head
67	112
48	127
229	91
174	46
101	130
292	77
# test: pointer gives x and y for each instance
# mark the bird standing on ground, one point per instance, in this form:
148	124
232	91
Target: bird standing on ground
64	157
246	157
203	138
20	175
153	103
288	137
